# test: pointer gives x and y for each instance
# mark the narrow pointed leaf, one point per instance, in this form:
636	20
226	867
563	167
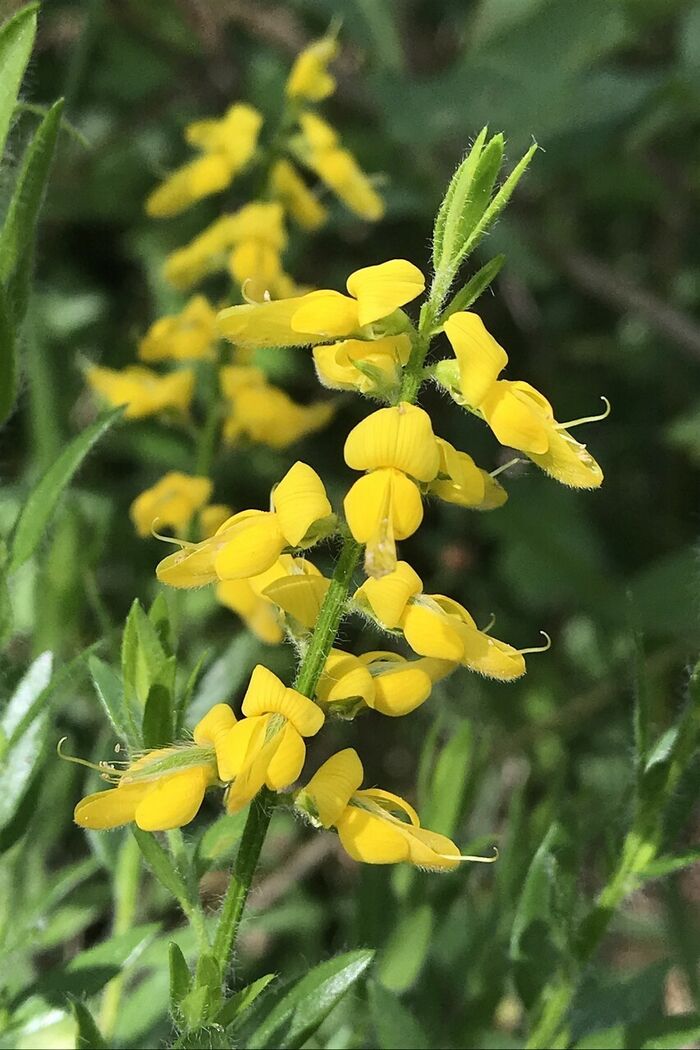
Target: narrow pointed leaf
8	359
37	512
474	288
16	42
88	1035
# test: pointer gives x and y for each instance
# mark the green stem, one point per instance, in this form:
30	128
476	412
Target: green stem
190	905
126	886
208	439
263	806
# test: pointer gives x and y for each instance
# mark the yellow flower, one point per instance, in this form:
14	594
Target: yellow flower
267	746
268	415
145	393
189	335
162	789
460	481
250	542
384	681
518	414
396	445
228	144
401	685
374	826
370	366
309	78
375	293
173	502
260	600
301	202
320	149
436	626
211	518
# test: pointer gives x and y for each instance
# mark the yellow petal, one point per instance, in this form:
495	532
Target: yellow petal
173	501
344	678
219	719
309	77
387	597
330	789
266	694
379	494
235	134
569	462
491	657
517	417
268	415
263	324
185	336
326	314
367	837
250	546
400	437
299	596
109	809
287	761
300	500
193	566
341	172
319	135
188	184
429	850
237	748
172	801
390	803
301	202
253	774
481	359
255	261
381	289
400	685
431	633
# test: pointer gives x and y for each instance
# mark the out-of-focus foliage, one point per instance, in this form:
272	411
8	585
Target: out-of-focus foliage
579	771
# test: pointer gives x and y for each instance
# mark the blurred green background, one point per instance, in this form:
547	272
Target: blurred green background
599	295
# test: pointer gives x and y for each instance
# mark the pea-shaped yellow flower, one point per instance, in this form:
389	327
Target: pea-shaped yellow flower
319	148
187	336
267	745
325	315
291	587
268	415
296	197
383	681
374	826
144	392
460	481
309	79
227	144
518	414
172	502
370	366
250	542
162	789
397	447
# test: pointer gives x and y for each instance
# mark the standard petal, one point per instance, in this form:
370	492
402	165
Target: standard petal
481	359
400	437
300	500
381	289
267	695
332	786
219	719
387	597
299	596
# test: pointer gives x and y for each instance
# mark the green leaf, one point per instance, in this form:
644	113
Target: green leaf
242	1000
158	717
39	508
180	976
88	1035
298	1014
159	616
221	838
407	949
110	692
497	205
663	866
18	232
160	863
453	203
22	745
8	362
395	1026
91	970
182	703
145	663
474	287
16	42
449	781
24	698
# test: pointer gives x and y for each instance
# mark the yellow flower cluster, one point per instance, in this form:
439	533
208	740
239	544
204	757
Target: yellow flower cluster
362	340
